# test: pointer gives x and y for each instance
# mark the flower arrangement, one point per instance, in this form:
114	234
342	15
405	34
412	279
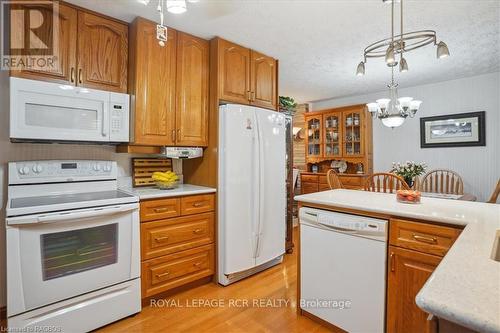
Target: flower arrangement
287	104
408	171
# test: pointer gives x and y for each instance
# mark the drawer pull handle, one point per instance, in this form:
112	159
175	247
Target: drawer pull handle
197	204
159	276
197	264
197	231
161	238
424	239
160	210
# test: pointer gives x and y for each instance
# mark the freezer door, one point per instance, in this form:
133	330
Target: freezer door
272	183
238	189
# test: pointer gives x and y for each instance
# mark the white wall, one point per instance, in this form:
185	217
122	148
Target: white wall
479	166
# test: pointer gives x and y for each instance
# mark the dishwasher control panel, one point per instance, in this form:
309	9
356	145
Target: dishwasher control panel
347	223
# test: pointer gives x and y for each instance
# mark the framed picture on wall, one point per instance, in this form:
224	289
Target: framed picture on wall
453	130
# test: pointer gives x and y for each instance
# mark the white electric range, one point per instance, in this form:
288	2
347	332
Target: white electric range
73	251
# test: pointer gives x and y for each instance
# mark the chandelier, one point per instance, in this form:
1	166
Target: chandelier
394	110
172	6
399	44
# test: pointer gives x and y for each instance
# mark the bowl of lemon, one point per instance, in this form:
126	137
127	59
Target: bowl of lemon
166	180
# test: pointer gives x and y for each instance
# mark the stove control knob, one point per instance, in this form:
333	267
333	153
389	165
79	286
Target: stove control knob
97	167
24	170
37	168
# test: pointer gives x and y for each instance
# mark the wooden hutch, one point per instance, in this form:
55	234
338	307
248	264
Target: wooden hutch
341	134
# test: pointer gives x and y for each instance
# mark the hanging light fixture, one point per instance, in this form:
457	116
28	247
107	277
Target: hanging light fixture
394	110
172	6
390	47
360	71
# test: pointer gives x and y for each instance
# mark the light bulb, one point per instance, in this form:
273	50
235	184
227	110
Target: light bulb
393	121
176	6
360	71
442	50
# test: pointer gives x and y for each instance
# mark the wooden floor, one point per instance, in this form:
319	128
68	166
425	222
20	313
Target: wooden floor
273	287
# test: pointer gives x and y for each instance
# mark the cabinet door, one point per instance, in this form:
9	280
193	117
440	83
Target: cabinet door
234	73
62	67
353	131
314	126
263	80
407	272
332	134
192	91
102	53
152	85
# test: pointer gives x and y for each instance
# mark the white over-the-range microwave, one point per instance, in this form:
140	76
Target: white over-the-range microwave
51	112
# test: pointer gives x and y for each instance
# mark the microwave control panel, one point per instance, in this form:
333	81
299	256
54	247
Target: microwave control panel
119	117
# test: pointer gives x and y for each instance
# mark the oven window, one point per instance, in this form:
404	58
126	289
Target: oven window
71	252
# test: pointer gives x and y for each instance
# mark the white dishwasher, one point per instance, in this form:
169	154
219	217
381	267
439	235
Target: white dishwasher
343	269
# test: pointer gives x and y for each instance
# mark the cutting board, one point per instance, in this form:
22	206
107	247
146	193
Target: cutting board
143	169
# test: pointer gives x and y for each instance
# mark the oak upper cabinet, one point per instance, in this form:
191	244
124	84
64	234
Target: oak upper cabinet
234	78
192	91
263	81
92	50
102	53
62	67
152	85
245	76
408	272
168	87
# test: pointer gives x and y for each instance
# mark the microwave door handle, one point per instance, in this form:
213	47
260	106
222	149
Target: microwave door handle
85	214
105	119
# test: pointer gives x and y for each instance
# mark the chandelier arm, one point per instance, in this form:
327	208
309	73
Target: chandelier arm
422	38
401	32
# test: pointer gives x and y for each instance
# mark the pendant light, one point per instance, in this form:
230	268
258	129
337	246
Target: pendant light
176	6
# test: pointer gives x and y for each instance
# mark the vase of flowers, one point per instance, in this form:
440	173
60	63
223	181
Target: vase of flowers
408	170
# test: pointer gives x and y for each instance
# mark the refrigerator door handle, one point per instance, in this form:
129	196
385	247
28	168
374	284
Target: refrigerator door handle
261	185
256	198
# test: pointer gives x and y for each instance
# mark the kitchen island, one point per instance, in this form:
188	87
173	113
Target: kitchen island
464	289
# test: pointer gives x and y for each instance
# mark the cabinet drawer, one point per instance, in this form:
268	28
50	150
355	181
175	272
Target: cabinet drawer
197	204
323	180
167	236
160	209
423	237
352	181
170	271
309	178
323	187
309	187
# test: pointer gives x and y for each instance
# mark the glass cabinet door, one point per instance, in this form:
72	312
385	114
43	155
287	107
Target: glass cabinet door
313	125
353	123
332	134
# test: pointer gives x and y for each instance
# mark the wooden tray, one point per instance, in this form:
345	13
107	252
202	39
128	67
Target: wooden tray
143	169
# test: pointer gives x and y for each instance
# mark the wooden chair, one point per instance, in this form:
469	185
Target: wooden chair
442	181
385	182
333	180
496	192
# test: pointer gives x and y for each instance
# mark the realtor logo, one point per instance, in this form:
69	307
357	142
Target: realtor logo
29	33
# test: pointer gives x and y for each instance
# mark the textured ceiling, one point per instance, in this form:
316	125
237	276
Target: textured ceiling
320	42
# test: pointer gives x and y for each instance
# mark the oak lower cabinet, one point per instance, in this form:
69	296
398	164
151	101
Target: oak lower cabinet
245	76
91	49
177	242
415	250
168	87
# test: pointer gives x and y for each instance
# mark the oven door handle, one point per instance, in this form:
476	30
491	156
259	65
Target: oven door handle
98	212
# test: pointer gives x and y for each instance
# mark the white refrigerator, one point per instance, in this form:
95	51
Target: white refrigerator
251	191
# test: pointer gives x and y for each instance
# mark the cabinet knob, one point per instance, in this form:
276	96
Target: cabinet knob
80	79
159	276
72	75
160	210
425	239
197	204
197	231
161	238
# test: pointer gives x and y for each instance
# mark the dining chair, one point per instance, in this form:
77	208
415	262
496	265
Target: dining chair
496	192
333	180
385	182
442	181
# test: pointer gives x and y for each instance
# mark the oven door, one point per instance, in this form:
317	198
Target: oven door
48	111
71	253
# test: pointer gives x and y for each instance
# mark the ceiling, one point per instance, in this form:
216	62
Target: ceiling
320	42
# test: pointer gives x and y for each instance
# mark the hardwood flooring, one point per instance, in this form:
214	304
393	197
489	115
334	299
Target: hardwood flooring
271	307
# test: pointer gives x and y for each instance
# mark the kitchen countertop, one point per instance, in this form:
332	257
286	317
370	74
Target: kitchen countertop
154	193
465	287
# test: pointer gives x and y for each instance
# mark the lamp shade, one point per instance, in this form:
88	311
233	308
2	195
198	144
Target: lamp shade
415	105
383	103
176	6
372	107
393	121
360	71
405	101
390	58
442	50
403	65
